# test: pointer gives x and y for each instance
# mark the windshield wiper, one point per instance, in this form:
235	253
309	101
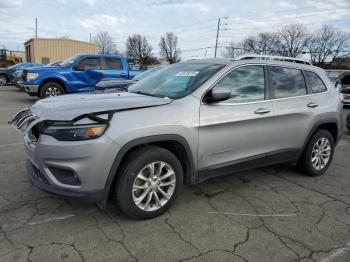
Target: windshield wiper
147	94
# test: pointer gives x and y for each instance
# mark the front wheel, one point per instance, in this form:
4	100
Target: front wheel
3	80
51	89
149	182
318	154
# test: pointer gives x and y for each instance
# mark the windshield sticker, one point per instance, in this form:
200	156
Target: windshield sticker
187	73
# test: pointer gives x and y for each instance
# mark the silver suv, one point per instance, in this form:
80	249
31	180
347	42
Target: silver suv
186	123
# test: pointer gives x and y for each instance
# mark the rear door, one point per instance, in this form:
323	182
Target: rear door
236	130
293	107
112	67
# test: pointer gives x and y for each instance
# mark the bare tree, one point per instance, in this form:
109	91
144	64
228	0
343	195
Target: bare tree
327	44
168	48
105	43
263	44
233	50
137	48
293	39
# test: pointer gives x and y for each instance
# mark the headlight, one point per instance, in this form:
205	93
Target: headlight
74	133
32	76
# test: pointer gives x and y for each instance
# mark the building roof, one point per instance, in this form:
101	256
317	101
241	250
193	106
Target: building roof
57	39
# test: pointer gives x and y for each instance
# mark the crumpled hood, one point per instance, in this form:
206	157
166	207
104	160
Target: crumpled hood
68	107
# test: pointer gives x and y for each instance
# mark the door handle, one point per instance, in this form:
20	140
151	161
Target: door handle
122	74
312	105
261	111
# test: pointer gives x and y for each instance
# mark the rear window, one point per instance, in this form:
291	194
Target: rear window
315	82
287	82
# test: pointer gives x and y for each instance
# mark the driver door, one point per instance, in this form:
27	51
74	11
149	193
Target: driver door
86	73
236	131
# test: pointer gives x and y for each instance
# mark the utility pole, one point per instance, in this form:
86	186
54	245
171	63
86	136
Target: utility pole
36	27
217	37
90	37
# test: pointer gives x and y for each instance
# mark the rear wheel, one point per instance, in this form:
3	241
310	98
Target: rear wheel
3	80
51	89
318	154
149	182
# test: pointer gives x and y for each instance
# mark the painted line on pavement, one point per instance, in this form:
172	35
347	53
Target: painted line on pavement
12	144
254	215
337	253
49	220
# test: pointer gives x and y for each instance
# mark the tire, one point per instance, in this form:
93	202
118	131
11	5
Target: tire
137	161
3	80
318	167
51	89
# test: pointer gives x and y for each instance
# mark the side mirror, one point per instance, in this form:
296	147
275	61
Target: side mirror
79	68
218	93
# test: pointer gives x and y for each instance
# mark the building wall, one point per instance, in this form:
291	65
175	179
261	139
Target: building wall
51	50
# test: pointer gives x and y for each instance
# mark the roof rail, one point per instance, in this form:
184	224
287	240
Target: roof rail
271	57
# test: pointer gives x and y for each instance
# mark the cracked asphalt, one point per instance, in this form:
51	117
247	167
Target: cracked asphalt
268	214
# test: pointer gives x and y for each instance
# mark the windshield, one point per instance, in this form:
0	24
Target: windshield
175	81
69	61
147	73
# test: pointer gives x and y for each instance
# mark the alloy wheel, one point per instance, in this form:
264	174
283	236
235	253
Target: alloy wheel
153	186
52	91
321	153
2	81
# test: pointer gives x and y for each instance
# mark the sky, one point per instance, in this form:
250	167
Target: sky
193	21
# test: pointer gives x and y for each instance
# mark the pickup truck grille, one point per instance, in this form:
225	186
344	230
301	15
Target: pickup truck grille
24	75
24	117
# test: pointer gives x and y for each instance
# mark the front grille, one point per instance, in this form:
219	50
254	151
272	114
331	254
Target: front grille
24	75
23	117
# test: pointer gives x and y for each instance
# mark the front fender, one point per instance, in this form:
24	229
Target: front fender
193	177
44	76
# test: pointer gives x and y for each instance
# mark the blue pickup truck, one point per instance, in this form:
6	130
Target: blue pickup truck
78	73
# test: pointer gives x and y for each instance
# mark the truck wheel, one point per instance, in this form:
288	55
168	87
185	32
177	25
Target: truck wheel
51	89
149	182
3	80
318	154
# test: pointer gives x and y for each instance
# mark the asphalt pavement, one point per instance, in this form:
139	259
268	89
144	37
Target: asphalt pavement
268	214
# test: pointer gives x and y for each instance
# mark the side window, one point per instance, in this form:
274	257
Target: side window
90	63
317	85
287	82
247	84
112	64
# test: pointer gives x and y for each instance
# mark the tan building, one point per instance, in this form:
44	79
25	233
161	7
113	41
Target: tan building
49	50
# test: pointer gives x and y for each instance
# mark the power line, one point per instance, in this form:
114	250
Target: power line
294	17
